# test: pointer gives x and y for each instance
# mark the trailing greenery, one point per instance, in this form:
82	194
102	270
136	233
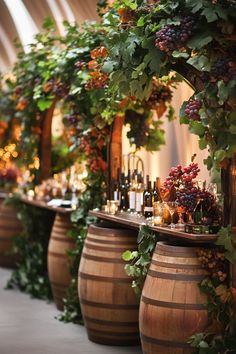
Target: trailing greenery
90	199
139	261
194	38
219	337
30	247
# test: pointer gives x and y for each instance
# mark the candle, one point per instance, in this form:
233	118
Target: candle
157	220
113	207
30	194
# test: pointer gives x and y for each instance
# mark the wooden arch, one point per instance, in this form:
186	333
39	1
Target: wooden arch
46	142
228	173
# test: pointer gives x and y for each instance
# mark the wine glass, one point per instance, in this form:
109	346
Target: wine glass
64	184
212	188
171	207
180	210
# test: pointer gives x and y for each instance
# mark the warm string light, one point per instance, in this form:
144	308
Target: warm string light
35	164
8	153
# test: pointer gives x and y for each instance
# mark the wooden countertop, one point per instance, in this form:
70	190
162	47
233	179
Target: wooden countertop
133	222
40	204
44	205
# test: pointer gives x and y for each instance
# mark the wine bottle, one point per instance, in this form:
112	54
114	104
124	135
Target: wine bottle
156	191
198	212
139	195
132	192
116	186
116	191
147	199
123	193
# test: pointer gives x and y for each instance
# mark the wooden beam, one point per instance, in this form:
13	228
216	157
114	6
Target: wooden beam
46	143
115	152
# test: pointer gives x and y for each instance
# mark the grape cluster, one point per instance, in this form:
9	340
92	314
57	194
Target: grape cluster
144	9
85	146
18	90
60	89
98	80
22	104
192	109
187	198
80	64
160	93
213	259
173	37
224	68
182	176
99	52
8	175
126	15
138	127
71	119
48	86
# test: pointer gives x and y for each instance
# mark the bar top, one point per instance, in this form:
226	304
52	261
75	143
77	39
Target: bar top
44	205
133	222
40	204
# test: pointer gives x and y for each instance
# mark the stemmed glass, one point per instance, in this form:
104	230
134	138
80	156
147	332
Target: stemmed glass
180	210
64	184
171	207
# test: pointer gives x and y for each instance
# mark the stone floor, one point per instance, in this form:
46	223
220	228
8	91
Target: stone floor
28	326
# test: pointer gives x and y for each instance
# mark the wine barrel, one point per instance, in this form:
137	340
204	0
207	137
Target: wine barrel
108	303
9	226
172	307
58	260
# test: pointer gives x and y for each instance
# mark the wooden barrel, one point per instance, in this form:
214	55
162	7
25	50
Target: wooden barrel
58	260
9	226
172	307
108	303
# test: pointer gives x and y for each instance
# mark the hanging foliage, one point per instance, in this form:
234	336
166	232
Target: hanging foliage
194	38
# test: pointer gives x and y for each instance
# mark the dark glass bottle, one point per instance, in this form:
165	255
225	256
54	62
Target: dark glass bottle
116	186
156	191
123	194
147	200
132	192
199	212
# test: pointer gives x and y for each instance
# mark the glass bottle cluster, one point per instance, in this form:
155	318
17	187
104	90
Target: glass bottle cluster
133	195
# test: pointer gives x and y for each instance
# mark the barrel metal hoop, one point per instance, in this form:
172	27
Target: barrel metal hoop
105	279
124	242
109	306
173	305
102	259
174	265
110	323
101	248
113	334
184	277
58	255
63	239
164	343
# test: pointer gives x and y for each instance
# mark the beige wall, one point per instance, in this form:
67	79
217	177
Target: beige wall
180	144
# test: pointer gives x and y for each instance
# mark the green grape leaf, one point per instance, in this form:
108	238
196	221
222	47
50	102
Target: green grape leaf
200	40
44	104
197	128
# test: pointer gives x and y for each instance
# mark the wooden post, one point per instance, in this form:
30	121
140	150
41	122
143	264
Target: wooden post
46	143
229	191
115	152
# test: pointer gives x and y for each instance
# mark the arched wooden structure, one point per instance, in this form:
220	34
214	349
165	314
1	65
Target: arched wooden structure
46	142
115	152
228	173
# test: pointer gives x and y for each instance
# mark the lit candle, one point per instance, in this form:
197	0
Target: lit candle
30	194
157	220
